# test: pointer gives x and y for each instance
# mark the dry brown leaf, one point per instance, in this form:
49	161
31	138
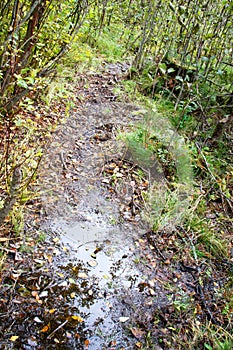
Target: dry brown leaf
137	332
86	343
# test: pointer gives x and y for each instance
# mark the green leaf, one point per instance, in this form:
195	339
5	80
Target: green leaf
163	68
209	347
22	83
171	70
30	80
178	77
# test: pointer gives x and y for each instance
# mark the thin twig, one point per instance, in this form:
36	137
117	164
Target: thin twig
57	329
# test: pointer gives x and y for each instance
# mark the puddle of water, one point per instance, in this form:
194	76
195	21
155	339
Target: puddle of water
84	233
106	251
107	260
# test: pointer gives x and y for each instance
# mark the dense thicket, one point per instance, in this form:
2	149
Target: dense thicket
178	46
33	36
179	50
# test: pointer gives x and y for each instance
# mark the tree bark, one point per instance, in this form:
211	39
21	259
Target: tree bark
13	194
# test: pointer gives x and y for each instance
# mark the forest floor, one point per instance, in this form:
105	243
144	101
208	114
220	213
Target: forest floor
88	273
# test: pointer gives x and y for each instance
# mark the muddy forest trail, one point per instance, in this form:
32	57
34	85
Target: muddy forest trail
101	279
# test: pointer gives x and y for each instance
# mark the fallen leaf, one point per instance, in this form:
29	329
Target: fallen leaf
44	294
86	343
77	318
50	258
51	311
14	337
39	261
36	319
82	275
45	328
71	280
14	276
106	181
106	277
72	295
56	252
118	175
167	262
137	332
152	283
35	295
123	319
92	263
63	284
152	292
60	274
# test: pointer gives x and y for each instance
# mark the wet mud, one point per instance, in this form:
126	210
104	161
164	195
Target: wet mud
84	289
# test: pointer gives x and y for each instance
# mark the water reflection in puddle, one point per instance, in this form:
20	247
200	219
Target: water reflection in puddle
108	257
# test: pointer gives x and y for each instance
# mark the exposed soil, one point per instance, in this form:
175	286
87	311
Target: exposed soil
101	279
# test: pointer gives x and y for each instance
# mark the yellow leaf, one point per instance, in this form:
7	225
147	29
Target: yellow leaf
50	258
82	275
77	318
71	280
60	274
14	337
52	311
45	328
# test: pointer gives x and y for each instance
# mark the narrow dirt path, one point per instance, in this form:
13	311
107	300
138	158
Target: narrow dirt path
96	225
99	279
85	287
